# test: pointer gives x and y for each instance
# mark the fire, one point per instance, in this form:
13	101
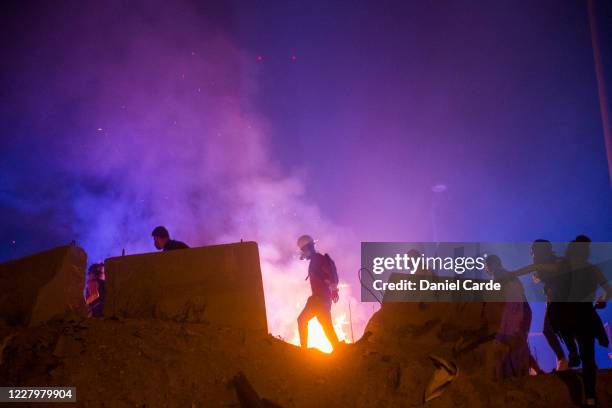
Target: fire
317	338
284	285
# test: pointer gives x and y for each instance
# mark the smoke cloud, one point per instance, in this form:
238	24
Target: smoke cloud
146	116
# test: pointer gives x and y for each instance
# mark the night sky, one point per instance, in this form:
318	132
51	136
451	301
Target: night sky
264	120
372	103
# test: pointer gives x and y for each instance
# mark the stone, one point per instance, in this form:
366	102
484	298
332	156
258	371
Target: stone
42	286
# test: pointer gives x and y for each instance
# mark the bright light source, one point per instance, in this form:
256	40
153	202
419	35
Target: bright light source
317	338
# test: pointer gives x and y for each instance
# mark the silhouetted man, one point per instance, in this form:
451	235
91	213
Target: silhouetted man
162	241
542	253
324	286
577	321
581	321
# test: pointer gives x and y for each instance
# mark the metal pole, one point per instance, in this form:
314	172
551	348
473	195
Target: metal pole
351	320
601	86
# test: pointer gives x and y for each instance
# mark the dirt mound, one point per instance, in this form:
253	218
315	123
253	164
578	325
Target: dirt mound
144	353
131	362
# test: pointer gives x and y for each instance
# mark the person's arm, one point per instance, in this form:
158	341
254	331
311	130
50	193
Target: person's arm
541	267
327	278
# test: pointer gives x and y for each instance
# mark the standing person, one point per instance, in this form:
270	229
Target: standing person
95	290
585	277
324	286
584	323
542	253
162	241
577	321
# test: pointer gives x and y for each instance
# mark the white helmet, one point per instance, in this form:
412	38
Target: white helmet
304	240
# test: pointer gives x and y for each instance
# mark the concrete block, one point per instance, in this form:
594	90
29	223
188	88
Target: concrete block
39	287
220	284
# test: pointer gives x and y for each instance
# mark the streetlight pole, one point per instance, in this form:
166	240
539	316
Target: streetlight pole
601	86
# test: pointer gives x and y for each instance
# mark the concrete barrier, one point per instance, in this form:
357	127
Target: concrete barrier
39	287
220	284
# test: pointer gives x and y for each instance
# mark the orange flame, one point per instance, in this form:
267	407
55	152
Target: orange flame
317	338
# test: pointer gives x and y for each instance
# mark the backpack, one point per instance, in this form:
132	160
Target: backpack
333	271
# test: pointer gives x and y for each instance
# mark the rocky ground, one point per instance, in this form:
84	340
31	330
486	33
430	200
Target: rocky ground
151	363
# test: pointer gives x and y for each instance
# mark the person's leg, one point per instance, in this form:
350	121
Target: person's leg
568	333
534	366
551	338
572	349
325	319
307	313
586	343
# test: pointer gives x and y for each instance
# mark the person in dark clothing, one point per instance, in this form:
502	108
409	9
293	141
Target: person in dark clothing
95	290
577	321
162	241
584	276
324	289
542	253
584	323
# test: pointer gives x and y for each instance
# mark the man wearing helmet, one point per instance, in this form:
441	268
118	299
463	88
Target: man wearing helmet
324	286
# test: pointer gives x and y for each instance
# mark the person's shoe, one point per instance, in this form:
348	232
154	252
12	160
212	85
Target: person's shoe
562	364
533	371
574	360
